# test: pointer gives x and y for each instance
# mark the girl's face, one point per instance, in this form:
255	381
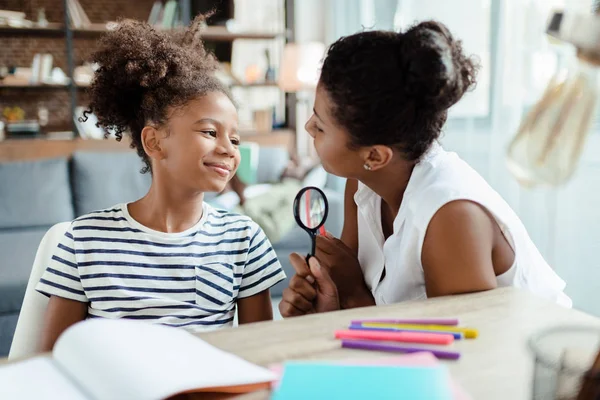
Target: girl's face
201	152
331	141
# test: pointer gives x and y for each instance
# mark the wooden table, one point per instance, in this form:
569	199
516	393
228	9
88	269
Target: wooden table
496	365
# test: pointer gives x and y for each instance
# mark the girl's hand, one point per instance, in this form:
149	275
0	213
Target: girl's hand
343	267
311	289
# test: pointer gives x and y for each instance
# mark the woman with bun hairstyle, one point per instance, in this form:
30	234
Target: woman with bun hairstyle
419	221
169	257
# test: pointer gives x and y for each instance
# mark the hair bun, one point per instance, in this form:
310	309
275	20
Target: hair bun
435	70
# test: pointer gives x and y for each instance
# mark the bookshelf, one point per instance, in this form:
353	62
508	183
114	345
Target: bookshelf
58	86
40	86
211	33
69	34
39	148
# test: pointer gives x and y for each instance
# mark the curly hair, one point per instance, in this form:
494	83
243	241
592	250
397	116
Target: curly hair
395	88
143	73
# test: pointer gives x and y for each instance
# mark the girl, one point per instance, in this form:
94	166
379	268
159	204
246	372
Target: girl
419	222
169	257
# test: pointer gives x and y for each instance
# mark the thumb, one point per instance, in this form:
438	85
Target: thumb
326	285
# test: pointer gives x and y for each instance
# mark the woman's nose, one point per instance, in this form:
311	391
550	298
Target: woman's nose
307	128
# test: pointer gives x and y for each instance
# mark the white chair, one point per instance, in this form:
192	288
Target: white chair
31	317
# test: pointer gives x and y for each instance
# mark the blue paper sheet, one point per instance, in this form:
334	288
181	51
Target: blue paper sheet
303	380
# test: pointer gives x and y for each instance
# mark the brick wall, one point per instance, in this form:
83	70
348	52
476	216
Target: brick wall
19	51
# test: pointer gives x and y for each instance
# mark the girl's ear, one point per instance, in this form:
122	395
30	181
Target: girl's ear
151	141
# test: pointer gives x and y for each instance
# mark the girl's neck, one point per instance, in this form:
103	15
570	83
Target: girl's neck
167	209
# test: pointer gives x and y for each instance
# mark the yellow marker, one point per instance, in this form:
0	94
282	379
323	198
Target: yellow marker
469	333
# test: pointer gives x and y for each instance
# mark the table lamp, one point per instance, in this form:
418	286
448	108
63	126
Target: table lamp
548	144
299	73
299	70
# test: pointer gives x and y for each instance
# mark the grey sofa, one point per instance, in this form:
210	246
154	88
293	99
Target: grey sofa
34	195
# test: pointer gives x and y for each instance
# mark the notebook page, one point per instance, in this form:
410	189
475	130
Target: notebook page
37	378
141	361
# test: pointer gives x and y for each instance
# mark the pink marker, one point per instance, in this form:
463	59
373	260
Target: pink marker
413	321
404	337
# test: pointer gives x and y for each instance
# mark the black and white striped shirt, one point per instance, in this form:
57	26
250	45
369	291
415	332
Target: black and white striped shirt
190	279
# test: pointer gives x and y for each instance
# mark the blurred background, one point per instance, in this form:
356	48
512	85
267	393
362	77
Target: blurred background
54	168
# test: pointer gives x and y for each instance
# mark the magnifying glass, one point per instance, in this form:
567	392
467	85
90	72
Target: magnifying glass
310	212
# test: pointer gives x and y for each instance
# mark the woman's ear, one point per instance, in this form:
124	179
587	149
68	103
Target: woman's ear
378	157
151	142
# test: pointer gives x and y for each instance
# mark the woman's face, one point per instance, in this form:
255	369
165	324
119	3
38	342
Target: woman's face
331	141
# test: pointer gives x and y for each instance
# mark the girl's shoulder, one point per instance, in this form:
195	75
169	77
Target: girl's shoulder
222	217
114	213
100	218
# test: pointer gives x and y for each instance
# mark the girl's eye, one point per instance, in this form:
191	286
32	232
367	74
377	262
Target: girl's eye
211	133
235	141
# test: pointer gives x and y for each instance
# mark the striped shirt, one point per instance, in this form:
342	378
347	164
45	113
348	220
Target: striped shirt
190	279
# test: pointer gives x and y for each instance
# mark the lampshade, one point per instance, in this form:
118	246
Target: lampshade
548	145
299	68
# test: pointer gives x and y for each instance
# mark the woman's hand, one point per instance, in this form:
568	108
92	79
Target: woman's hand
311	289
343	267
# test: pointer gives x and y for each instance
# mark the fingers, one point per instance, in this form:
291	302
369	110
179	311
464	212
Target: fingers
288	310
303	287
326	285
299	264
297	300
325	245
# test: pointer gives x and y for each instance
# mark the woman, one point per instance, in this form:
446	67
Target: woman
419	222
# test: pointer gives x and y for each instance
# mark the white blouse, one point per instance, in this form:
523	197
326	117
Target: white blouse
439	178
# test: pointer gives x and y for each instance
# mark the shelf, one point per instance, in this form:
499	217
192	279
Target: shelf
53	29
13	149
211	33
43	86
39	86
277	138
257	84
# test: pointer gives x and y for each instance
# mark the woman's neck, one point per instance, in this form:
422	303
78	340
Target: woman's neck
390	184
167	209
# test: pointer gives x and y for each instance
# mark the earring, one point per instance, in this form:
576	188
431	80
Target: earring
367	167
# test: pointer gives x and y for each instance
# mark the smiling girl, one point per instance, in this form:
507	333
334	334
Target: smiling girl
168	257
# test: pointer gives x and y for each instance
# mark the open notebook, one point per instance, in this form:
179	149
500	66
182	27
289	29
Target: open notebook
118	359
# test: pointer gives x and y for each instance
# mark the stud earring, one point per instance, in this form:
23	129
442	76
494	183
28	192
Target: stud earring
367	167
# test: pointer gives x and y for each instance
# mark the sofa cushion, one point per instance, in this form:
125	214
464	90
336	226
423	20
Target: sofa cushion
18	248
103	179
272	161
8	323
35	193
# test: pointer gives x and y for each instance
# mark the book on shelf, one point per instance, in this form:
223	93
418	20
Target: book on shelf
87	129
155	13
41	68
101	359
14	19
77	15
169	15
